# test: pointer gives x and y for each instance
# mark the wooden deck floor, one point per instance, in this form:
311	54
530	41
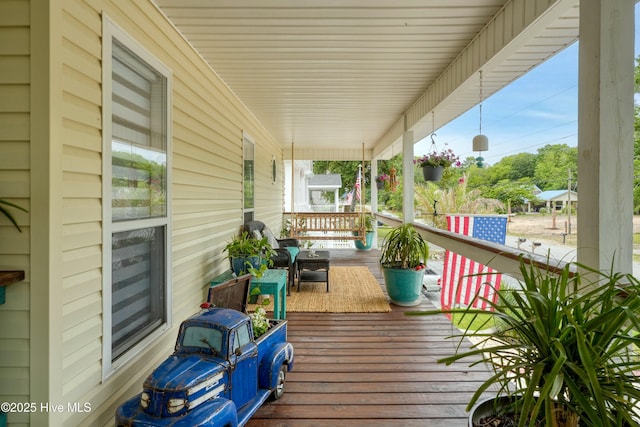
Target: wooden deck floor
371	369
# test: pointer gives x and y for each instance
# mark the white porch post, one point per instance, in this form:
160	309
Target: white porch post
605	134
407	177
336	199
374	187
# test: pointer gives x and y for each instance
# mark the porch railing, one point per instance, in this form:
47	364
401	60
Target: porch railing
499	257
327	225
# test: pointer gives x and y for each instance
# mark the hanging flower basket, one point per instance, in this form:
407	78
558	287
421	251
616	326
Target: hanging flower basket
382	180
434	162
432	173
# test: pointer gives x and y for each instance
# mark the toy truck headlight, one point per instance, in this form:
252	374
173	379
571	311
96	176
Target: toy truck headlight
145	399
176	405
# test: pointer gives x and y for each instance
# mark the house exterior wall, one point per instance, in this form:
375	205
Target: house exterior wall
51	340
15	167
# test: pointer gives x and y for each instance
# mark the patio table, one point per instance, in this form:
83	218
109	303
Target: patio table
313	266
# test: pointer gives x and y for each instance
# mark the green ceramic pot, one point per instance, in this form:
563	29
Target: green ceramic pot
404	285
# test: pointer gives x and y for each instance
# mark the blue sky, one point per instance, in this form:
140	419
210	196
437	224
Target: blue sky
538	109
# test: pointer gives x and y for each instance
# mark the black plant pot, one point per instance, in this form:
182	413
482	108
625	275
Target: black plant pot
432	173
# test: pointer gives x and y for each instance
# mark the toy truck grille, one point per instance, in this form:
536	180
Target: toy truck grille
172	403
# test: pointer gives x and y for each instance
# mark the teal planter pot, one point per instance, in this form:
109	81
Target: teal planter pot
404	285
239	266
3	419
368	244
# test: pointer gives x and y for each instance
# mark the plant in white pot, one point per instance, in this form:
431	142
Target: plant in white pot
564	350
403	259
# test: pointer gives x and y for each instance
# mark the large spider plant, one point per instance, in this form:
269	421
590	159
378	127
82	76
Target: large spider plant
563	347
404	247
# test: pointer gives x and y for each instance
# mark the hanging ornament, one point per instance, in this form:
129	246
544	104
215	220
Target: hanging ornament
393	179
480	141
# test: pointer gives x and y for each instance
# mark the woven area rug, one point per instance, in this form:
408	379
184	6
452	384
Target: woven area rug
351	290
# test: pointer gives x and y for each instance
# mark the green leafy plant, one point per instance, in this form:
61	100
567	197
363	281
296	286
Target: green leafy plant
246	245
8	214
564	348
365	220
254	252
258	272
404	247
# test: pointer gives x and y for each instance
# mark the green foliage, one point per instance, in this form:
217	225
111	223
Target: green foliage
404	247
553	166
514	193
562	344
459	198
246	246
348	171
518	166
367	220
548	169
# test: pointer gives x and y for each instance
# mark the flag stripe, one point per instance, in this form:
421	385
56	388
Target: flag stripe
466	281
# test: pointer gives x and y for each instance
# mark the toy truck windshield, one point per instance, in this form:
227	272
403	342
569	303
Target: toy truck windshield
202	339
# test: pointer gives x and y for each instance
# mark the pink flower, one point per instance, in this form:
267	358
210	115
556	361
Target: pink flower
443	158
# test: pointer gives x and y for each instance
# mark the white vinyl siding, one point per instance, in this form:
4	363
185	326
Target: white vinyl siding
136	146
204	202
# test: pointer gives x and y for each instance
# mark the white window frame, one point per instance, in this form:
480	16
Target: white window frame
246	139
110	32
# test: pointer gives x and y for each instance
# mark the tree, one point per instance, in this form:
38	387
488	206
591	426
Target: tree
553	166
512	193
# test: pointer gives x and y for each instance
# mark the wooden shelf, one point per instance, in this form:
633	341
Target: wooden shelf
9	277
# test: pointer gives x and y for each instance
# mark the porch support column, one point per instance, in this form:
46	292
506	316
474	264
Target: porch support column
336	200
374	187
407	176
605	134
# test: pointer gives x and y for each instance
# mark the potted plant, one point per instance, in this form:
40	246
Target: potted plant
403	258
434	163
365	221
563	349
248	254
382	181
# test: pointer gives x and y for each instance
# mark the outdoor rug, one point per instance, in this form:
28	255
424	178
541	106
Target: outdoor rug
351	290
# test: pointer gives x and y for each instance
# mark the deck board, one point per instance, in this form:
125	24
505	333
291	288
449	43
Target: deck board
372	369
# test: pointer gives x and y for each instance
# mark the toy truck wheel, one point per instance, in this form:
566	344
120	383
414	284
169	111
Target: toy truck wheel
278	391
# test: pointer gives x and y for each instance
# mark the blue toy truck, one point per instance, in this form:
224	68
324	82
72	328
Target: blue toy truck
217	376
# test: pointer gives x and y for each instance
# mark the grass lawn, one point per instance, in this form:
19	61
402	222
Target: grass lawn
472	322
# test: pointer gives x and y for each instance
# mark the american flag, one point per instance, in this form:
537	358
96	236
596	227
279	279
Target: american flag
464	279
358	185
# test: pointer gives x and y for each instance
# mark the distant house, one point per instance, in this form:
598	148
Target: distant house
558	199
316	184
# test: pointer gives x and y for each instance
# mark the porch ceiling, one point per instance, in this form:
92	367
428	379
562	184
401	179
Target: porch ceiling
332	75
